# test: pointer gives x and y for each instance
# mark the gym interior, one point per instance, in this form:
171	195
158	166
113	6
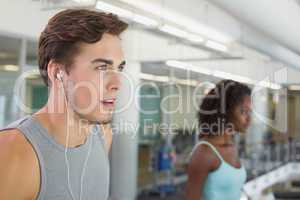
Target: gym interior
176	51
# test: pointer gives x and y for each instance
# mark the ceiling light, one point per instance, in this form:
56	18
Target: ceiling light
83	1
114	9
194	38
269	84
33	76
152	77
166	79
226	75
177	64
217	46
187	82
200	70
275	86
294	87
209	32
186	66
10	68
264	83
220	74
184	21
145	20
173	31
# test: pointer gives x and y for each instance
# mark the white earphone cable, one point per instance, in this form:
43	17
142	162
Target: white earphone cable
66	150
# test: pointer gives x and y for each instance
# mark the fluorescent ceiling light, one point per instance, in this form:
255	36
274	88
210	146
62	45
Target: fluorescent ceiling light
186	66
178	32
226	75
220	74
223	75
173	31
181	20
83	1
152	77
166	79
10	68
294	87
264	83
209	33
114	9
200	70
177	64
187	82
216	46
145	20
275	86
181	33
33	76
194	38
269	84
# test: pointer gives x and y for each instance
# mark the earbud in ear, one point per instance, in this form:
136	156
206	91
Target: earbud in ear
59	75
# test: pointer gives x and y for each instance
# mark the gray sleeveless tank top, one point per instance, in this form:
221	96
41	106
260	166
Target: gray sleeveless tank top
88	164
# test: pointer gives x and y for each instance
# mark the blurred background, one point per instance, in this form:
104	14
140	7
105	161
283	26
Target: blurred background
176	51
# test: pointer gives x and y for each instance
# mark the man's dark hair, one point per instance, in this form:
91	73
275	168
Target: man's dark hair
64	31
216	110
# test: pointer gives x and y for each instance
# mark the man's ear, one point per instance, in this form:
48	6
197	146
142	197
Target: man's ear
52	70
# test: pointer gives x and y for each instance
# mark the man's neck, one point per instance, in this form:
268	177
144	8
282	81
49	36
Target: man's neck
67	129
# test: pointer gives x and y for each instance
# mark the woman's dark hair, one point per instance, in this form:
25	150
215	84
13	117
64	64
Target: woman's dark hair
216	110
64	31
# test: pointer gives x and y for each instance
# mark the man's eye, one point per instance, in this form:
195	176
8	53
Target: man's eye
121	68
102	67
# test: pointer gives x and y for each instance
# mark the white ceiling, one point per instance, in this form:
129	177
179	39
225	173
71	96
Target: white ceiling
277	19
267	26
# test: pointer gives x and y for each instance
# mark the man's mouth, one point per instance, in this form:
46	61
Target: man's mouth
109	102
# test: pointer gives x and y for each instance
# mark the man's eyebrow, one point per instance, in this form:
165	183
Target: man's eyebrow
109	62
106	61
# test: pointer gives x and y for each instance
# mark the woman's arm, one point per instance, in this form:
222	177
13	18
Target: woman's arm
198	169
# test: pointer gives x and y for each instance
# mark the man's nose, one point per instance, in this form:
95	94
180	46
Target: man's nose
114	83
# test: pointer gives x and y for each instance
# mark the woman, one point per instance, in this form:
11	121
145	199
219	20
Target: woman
215	171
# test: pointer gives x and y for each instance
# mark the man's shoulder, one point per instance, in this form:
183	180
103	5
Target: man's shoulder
16	123
12	139
19	164
14	147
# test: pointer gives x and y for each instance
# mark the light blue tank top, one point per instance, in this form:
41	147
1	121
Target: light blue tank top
226	182
88	164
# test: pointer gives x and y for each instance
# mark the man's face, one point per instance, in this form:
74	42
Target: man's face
94	79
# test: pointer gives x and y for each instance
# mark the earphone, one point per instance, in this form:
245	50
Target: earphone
59	76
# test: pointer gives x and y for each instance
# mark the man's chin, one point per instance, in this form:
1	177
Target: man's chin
103	119
98	118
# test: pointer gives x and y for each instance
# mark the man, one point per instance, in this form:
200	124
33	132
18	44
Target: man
60	152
